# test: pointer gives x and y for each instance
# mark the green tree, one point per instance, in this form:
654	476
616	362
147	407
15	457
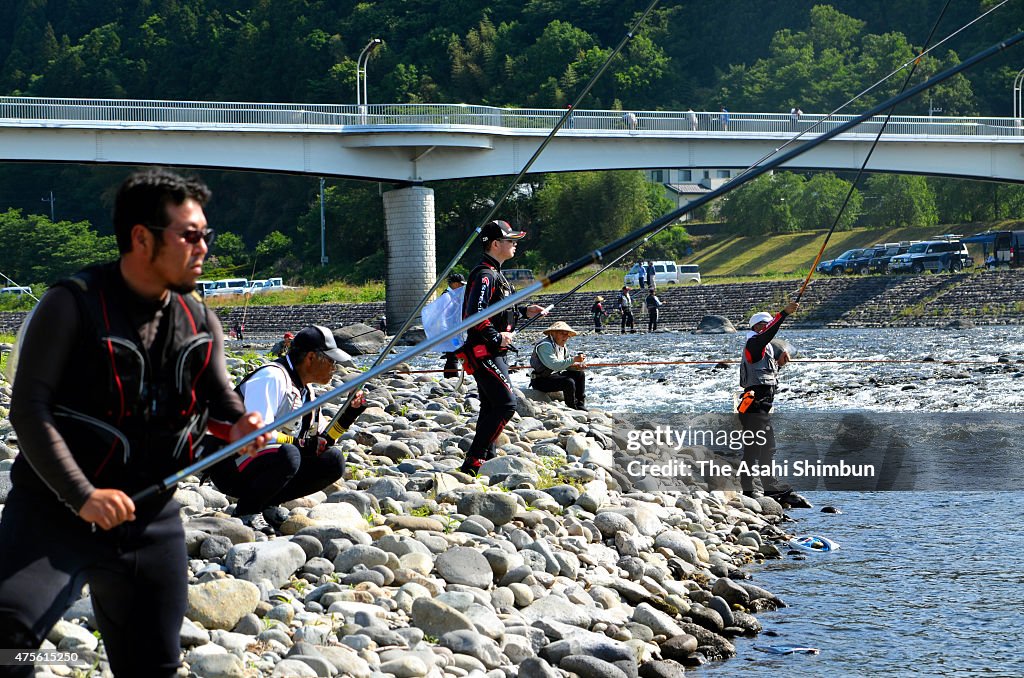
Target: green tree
764	205
229	250
903	200
68	247
273	247
820	200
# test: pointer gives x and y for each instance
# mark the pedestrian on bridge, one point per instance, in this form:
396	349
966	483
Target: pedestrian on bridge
723	118
691	117
629	120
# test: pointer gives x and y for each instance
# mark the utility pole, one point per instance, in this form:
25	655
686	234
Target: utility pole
50	200
323	227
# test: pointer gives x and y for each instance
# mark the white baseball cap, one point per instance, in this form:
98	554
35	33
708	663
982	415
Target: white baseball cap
762	317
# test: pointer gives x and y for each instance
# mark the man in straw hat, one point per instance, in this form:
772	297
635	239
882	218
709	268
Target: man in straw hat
599	313
554	369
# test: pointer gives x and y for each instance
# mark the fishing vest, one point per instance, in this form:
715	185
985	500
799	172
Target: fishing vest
506	320
126	421
296	396
764	372
539	368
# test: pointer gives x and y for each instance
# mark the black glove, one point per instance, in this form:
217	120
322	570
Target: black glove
351	414
315	444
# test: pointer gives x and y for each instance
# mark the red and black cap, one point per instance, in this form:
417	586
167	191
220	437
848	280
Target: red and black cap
499	230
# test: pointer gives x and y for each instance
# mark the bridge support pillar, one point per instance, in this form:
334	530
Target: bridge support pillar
409	213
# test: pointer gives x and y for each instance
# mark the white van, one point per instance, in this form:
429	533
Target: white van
689	273
227	286
268	285
665	272
16	290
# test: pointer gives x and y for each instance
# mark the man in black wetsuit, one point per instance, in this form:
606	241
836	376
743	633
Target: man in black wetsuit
120	372
759	378
487	343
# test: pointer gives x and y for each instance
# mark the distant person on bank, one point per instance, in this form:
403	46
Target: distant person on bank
555	370
281	348
599	313
653	303
626	308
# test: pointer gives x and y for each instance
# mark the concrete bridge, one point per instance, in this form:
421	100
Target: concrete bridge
413	144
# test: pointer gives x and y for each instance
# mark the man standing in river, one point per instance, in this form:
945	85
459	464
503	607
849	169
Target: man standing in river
759	378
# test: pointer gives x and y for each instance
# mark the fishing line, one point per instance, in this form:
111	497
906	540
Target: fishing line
14	284
596	256
795	138
333	425
867	159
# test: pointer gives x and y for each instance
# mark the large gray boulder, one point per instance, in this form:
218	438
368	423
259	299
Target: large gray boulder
714	324
359	339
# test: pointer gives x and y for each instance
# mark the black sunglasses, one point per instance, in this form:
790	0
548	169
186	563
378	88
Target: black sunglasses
191	236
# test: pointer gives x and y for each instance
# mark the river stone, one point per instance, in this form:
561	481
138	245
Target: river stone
359	339
475	645
400	522
436	618
535	667
227	527
275	560
665	668
679	647
508	465
293	668
712	645
556	608
564	495
609	523
678	543
656	620
733	593
409	666
68	636
464	565
346	661
714	324
214	546
220	665
499	508
590	667
341	514
363	502
359	554
221	603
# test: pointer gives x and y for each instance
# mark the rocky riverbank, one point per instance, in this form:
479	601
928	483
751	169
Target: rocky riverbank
549	564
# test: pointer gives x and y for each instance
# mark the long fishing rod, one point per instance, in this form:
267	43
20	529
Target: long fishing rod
654	363
532	289
867	159
912	62
333	429
865	91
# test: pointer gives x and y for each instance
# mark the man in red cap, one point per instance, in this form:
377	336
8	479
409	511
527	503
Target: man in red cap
488	342
281	347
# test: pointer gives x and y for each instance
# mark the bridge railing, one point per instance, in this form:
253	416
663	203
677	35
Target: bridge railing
127	113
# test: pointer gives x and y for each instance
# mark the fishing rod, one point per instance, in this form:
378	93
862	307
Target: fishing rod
867	159
865	91
652	363
532	289
333	429
912	62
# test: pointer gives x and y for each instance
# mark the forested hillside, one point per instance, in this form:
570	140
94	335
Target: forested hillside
749	56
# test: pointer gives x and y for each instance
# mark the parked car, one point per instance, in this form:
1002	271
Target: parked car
519	275
862	263
933	255
268	285
665	273
841	264
1005	249
688	273
226	286
879	263
18	290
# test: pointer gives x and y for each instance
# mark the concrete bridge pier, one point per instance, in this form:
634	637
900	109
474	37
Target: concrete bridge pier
409	213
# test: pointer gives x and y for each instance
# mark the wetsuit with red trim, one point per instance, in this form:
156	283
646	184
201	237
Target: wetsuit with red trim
112	391
484	357
759	377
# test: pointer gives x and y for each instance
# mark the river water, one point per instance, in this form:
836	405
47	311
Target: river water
925	583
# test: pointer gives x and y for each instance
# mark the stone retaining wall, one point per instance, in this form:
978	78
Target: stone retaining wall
988	298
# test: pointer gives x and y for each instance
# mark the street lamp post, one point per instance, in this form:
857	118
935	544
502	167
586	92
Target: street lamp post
50	200
323	227
364	57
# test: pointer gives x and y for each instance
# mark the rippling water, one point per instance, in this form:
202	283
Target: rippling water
925	583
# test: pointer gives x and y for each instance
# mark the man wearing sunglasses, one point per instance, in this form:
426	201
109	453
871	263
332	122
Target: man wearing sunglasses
483	355
298	461
121	370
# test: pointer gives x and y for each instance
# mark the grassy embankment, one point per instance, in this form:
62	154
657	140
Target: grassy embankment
722	259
